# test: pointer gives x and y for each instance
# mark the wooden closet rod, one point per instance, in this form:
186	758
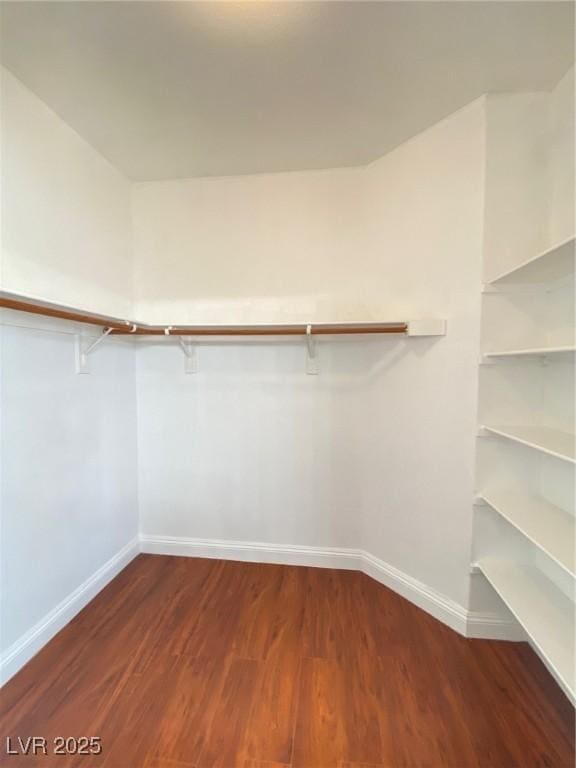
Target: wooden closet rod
263	330
129	328
62	314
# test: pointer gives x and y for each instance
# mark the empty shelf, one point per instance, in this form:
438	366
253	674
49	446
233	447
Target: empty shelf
549	527
553	264
545	613
564	351
550	441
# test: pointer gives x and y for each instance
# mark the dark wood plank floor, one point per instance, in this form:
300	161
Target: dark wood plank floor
182	662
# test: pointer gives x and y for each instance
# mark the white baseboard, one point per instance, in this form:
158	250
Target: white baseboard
27	646
467	623
490	626
253	552
441	607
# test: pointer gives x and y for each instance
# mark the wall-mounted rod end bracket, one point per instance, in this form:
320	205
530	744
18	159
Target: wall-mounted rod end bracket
311	358
427	327
190	355
83	351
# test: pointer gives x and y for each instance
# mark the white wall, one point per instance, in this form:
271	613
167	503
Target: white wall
516	222
377	451
66	232
529	174
68	455
251	448
562	132
426	226
68	442
250	248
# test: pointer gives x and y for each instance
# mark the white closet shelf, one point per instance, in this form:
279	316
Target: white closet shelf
550	528
552	264
561	351
545	613
550	441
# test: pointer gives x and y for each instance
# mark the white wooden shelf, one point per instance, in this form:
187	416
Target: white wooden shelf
550	441
555	263
550	528
545	613
559	352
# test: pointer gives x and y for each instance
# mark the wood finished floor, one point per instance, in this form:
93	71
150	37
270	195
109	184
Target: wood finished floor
183	662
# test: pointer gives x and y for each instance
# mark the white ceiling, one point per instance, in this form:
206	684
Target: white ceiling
179	89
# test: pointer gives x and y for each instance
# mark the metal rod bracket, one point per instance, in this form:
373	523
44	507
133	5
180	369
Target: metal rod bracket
311	359
83	352
190	355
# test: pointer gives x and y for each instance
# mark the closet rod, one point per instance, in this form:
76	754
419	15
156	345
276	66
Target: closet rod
119	327
265	330
63	314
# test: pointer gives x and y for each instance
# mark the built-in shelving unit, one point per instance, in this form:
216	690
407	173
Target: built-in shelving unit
543	610
550	441
524	523
555	263
550	528
525	545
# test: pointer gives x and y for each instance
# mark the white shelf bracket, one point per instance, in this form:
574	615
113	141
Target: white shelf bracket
190	356
83	352
311	359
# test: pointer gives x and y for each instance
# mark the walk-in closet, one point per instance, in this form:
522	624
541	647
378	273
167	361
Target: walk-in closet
287	384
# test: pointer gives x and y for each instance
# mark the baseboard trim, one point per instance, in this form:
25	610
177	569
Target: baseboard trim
436	604
253	552
490	626
27	646
441	607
